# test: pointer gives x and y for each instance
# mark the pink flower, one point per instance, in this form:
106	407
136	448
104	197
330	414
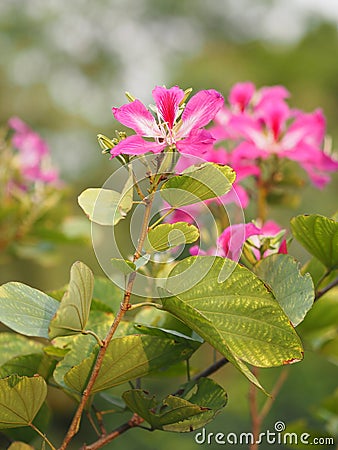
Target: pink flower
261	123
231	241
33	154
172	127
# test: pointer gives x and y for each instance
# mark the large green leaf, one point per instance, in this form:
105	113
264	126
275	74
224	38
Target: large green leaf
20	400
73	313
198	183
199	404
230	308
319	235
127	358
169	235
105	206
293	291
13	345
81	346
26	310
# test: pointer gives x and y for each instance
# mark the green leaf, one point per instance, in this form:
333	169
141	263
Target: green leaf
198	183
73	313
229	307
20	446
319	235
293	291
169	235
105	206
169	334
123	265
80	348
201	401
127	193
20	400
26	310
127	358
28	365
108	293
13	345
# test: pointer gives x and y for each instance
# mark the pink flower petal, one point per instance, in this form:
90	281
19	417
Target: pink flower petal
241	94
19	125
200	110
136	116
167	102
274	93
308	127
135	145
233	238
274	114
197	143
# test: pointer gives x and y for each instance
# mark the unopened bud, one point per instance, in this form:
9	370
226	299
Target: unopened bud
187	92
105	143
130	97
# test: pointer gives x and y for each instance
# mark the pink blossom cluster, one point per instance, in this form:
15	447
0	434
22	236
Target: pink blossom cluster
260	123
230	242
33	154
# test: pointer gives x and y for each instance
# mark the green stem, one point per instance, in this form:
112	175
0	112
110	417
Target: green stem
162	217
42	435
141	304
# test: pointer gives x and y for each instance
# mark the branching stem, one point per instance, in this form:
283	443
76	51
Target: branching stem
124	307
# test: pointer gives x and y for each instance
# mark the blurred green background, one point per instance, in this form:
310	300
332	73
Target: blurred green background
64	65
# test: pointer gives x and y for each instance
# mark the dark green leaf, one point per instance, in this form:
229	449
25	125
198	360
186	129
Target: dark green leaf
201	401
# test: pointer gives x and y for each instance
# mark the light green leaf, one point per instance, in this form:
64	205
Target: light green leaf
25	309
108	293
229	307
20	446
73	313
123	265
319	235
127	358
13	345
199	404
126	202
20	400
169	235
198	183
105	206
293	291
